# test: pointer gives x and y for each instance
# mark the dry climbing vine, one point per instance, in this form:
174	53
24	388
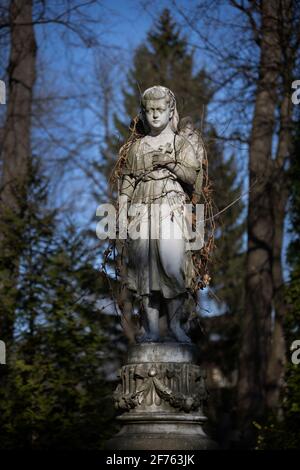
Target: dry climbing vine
201	258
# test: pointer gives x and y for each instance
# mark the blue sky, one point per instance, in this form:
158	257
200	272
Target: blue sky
123	25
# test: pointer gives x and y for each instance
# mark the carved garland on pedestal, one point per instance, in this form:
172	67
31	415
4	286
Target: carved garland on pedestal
144	379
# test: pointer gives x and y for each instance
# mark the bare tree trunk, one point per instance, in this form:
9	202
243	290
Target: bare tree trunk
277	354
256	322
16	149
273	26
262	357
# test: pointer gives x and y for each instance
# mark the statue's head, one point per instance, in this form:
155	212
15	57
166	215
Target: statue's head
158	109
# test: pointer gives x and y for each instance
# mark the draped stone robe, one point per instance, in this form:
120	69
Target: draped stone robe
159	260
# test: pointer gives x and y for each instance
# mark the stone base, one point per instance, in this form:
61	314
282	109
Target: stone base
161	393
161	432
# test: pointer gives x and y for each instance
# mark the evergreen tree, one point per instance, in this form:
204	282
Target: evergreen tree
54	393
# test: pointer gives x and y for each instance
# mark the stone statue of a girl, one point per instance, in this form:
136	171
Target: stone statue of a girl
157	179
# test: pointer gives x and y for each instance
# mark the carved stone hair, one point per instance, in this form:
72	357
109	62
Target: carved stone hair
158	92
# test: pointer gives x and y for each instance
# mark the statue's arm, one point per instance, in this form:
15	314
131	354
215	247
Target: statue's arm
185	167
127	181
124	199
183	172
127	186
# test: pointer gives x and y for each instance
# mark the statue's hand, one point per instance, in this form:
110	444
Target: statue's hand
161	159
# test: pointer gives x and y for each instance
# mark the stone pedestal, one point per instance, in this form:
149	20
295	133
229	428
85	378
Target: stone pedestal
161	393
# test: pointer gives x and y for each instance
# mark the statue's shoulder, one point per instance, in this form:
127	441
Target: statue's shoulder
135	146
132	152
181	141
183	144
192	143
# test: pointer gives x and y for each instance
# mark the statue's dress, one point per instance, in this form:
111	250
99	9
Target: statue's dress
159	258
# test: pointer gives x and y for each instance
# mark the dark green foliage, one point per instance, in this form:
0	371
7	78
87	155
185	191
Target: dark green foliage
284	432
54	394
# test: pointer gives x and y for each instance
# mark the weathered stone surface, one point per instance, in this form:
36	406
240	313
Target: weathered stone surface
160	170
163	400
162	387
161	432
162	352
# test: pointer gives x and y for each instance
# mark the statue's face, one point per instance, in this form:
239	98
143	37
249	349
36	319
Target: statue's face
158	114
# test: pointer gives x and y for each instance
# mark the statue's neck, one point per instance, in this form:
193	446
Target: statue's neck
166	132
